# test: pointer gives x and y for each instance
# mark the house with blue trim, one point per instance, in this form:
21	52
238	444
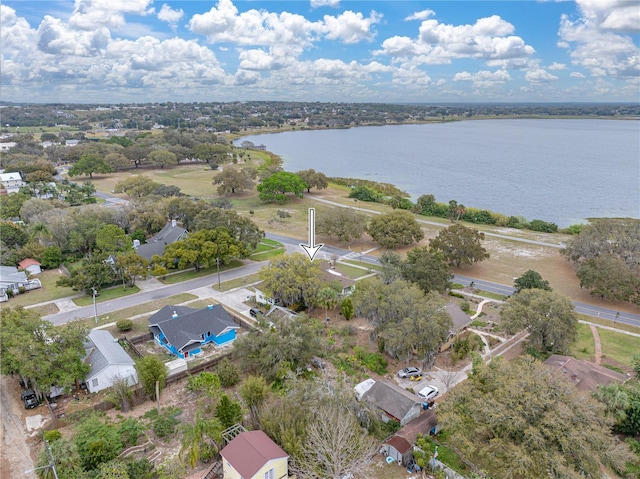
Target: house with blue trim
183	330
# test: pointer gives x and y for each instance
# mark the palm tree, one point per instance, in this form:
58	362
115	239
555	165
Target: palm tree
40	231
201	440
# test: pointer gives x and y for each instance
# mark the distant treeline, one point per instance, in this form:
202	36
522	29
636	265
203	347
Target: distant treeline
427	205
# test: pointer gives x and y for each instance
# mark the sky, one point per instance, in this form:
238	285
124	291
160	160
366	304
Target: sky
134	51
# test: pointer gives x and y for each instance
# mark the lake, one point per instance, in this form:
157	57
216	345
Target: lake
556	170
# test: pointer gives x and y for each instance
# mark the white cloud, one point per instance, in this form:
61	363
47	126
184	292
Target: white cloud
577	75
488	39
557	66
325	3
55	38
483	78
539	76
597	39
110	13
421	15
169	15
351	27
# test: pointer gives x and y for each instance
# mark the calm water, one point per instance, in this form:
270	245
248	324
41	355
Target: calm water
557	170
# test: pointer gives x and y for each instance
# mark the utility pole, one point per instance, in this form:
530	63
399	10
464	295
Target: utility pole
218	265
51	464
95	309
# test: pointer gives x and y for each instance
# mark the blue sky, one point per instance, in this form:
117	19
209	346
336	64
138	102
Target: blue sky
113	51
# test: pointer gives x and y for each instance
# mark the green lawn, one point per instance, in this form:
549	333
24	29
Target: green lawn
48	292
267	249
191	274
619	346
237	283
106	295
351	271
584	347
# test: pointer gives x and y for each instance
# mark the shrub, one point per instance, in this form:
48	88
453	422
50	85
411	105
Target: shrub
228	373
22	289
124	325
464	306
543	226
373	361
364	193
51	436
347	309
204	381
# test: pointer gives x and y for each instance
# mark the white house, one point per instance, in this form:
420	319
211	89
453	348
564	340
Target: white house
30	265
6	146
12	280
108	361
12	182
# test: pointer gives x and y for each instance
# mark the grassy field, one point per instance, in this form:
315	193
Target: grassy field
584	347
106	295
192	274
509	259
48	292
619	347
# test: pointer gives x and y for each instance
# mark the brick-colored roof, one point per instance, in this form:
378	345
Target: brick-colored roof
400	443
251	450
25	263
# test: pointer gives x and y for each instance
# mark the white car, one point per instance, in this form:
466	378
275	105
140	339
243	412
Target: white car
427	393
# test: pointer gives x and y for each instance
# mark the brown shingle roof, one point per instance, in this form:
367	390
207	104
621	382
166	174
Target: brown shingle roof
251	450
391	398
400	443
585	375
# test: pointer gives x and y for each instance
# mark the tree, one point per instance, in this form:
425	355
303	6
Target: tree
12	235
232	180
201	439
51	257
65	457
395	229
239	227
531	280
112	239
117	161
274	188
610	278
113	469
136	186
228	373
97	442
346	308
151	370
274	350
92	273
391	266
36	350
322	427
313	179
327	298
162	158
549	318
228	412
203	249
254	391
88	165
460	245
131	266
518	419
427	269
345	224
292	279
419	336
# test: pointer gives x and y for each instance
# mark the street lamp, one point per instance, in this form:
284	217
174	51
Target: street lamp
95	309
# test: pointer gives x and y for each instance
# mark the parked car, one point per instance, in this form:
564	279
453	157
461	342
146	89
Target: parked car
409	372
29	398
427	393
255	312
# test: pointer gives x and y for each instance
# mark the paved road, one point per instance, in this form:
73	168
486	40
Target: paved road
158	293
327	252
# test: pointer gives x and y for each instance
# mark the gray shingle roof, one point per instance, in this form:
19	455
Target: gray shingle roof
169	234
391	398
191	323
103	350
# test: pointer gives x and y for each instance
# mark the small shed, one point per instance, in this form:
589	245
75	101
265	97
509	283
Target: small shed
398	448
363	387
30	265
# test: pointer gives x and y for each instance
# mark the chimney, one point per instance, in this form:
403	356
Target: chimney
173	223
174	315
210	306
